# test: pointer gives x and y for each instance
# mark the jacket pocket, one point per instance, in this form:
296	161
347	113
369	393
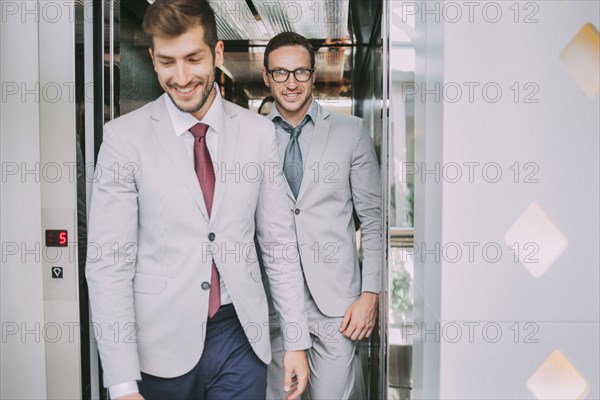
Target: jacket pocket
151	284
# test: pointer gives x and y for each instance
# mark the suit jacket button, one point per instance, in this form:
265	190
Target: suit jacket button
297	211
205	285
211	237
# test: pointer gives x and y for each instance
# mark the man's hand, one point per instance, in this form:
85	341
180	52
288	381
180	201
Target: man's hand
295	373
133	396
359	320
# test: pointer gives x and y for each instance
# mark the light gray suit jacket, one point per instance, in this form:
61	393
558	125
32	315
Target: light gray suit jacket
341	174
149	251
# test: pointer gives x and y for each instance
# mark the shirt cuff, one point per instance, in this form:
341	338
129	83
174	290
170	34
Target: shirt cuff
123	389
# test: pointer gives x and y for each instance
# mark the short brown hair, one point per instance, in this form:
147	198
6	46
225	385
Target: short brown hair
289	39
171	18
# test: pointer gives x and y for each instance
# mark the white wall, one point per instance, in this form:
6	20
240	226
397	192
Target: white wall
558	134
22	355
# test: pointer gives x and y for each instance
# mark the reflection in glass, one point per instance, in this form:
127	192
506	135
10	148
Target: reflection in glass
400	317
403	171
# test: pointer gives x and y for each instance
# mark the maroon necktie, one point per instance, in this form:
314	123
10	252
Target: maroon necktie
206	177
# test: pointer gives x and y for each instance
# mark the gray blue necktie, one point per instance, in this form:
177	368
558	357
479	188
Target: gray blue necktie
292	163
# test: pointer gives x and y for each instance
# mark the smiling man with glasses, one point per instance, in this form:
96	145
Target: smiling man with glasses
331	168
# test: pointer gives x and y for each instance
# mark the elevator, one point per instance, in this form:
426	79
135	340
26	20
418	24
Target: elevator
485	119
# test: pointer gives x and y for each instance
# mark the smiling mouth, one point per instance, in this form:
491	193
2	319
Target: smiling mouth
291	96
185	91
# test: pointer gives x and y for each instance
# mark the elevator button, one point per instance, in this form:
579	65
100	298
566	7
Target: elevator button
57	273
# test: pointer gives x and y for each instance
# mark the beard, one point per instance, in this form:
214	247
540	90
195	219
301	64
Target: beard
192	108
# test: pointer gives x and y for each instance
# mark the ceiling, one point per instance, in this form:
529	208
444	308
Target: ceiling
263	19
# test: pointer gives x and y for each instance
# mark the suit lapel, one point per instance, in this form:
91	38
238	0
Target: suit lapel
315	152
228	141
175	150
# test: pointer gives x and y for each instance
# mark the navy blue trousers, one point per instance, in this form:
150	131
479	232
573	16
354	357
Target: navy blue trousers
228	368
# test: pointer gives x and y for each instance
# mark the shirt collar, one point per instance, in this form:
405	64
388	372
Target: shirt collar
312	112
183	121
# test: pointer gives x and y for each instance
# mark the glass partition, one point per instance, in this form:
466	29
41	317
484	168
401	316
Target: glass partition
402	173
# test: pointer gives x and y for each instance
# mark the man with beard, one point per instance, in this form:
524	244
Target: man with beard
175	285
332	170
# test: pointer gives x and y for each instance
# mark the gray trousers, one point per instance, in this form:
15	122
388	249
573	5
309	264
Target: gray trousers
331	358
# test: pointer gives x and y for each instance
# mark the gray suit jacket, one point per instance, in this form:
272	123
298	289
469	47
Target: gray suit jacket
149	250
341	174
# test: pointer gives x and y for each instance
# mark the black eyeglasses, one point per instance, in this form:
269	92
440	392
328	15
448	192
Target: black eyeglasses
282	75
